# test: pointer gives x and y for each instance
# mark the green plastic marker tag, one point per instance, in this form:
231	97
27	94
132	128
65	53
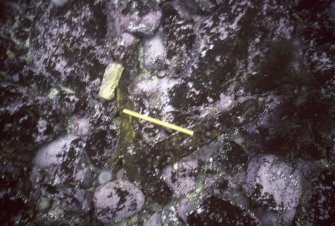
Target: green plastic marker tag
110	81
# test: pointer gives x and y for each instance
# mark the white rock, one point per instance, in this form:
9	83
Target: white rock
184	207
154	53
80	126
181	177
146	25
104	177
53	153
277	179
117	200
154	220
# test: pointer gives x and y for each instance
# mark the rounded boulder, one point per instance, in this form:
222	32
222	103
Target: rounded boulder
117	200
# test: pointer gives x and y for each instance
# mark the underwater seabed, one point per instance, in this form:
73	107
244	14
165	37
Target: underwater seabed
252	79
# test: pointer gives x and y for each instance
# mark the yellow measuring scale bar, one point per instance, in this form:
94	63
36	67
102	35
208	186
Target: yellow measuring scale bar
158	122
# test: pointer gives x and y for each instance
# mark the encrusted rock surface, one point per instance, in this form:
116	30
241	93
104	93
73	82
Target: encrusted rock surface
253	79
117	200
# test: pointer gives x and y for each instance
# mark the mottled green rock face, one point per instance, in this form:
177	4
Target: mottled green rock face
110	81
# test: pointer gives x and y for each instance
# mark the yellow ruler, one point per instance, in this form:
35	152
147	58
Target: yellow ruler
158	122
